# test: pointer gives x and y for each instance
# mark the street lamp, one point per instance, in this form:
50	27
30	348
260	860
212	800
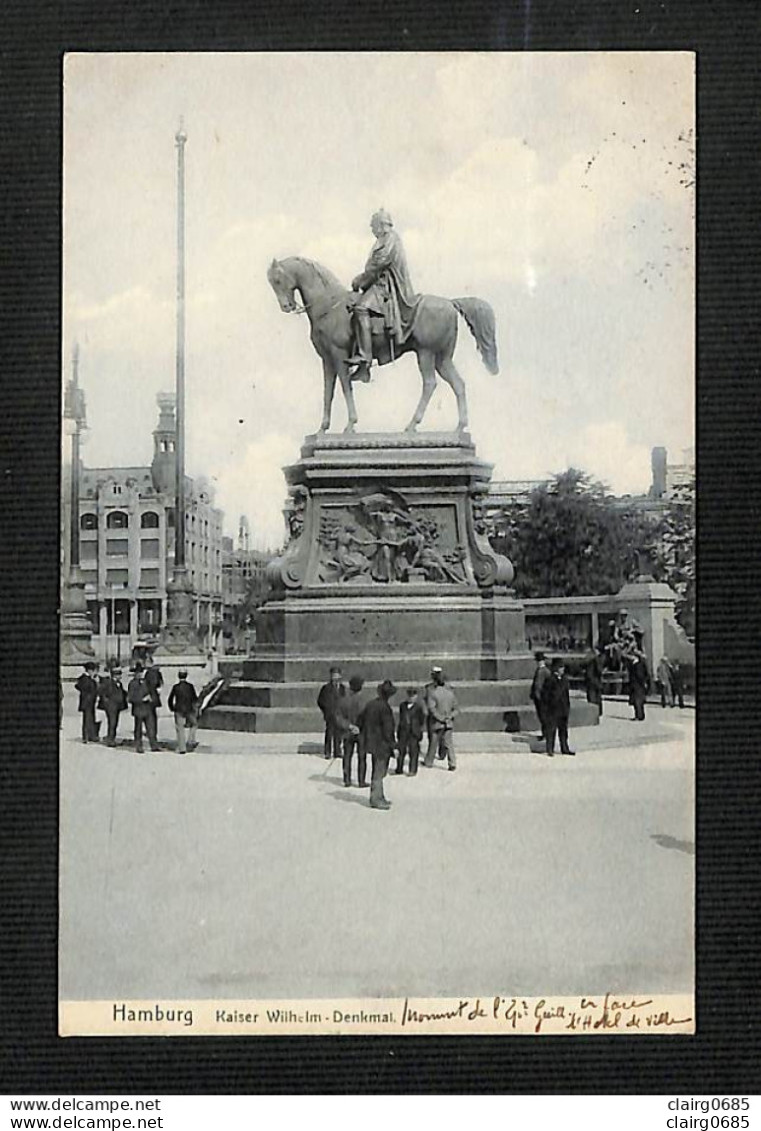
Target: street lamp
76	630
178	637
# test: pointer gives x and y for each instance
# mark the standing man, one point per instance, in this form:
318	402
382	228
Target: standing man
140	699
411	721
677	682
183	701
386	289
328	700
663	676
377	738
593	674
349	710
441	707
87	686
541	675
639	678
113	700
154	680
556	707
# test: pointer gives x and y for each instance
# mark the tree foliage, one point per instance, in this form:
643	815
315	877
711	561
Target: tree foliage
572	539
676	551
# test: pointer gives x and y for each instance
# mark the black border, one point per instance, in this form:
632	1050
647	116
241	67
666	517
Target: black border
724	1056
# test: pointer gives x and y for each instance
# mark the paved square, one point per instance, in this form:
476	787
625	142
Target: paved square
243	871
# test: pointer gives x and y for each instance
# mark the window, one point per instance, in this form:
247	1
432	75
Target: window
117	577
149	520
93	612
149	579
88	522
170	516
117	547
149	548
88	550
117	520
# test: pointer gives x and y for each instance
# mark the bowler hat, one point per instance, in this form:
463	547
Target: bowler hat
386	689
116	671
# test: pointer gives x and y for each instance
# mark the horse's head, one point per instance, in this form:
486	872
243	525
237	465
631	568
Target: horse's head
283	286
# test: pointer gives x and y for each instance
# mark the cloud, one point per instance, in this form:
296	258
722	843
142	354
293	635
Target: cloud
254	485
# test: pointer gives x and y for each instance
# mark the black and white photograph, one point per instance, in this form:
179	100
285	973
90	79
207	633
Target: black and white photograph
378	567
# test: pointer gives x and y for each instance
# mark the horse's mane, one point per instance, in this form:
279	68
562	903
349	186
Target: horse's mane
322	273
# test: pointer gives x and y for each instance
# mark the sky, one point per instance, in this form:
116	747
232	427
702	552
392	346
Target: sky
559	187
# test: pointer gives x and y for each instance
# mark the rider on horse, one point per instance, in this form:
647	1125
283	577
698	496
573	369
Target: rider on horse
386	289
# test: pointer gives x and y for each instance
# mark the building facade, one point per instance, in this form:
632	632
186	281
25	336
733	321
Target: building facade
126	534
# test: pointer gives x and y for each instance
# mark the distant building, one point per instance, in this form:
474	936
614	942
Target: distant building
242	569
126	519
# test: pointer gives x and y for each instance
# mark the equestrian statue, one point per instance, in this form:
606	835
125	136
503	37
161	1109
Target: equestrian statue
380	319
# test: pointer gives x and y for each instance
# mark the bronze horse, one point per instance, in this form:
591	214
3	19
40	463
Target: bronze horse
433	339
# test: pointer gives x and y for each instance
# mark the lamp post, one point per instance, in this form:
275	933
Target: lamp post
178	637
76	630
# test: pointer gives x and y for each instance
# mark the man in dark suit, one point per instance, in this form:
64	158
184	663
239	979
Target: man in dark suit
154	680
329	699
143	711
412	719
541	675
377	736
113	700
87	686
348	712
677	682
556	707
639	678
183	703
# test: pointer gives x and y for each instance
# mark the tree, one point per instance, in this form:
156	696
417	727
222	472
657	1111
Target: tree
676	551
571	539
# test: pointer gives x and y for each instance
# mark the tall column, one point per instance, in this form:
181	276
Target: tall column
76	630
178	637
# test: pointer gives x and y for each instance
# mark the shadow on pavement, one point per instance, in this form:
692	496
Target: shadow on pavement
686	846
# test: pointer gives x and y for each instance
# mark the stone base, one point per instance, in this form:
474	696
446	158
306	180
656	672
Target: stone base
387	573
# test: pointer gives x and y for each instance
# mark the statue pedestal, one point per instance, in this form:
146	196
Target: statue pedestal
388	571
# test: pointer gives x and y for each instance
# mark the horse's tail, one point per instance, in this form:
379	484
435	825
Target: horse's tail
479	316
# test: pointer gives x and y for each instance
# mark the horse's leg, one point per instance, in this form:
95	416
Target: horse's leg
351	408
448	372
426	364
329	376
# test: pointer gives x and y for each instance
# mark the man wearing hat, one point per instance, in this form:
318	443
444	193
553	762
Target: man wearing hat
140	698
329	700
348	712
87	686
113	700
386	289
541	675
441	707
183	701
377	738
411	720
556	707
639	675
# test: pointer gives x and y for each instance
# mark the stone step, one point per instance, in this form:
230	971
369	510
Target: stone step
250	693
298	720
403	668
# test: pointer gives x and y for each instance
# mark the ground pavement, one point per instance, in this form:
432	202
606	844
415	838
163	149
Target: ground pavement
247	870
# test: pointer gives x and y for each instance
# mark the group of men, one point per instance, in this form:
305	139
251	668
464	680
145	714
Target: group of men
670	680
551	696
352	724
142	695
